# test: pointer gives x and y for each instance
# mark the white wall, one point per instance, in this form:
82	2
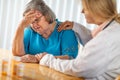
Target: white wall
11	14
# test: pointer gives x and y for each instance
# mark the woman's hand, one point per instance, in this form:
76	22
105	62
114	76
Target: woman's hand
30	17
65	25
40	56
29	58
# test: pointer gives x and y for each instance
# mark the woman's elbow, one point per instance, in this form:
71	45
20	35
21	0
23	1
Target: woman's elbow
17	52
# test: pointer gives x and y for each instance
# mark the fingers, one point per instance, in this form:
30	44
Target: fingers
24	59
29	58
40	56
62	26
29	12
31	16
65	25
35	12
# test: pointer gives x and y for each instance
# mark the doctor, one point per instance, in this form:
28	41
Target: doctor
100	57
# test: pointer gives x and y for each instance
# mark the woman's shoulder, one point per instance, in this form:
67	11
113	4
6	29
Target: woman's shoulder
65	33
68	34
28	29
70	31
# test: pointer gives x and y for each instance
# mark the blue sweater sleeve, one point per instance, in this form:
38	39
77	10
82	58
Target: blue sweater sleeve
27	33
69	44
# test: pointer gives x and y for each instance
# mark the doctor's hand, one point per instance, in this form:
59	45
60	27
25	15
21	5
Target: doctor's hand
40	56
65	25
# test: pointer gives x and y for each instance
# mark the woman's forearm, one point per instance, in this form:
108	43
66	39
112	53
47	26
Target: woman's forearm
18	45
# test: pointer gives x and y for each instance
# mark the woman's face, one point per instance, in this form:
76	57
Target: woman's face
91	18
88	16
40	25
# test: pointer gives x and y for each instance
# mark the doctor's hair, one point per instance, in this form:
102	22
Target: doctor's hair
103	9
42	7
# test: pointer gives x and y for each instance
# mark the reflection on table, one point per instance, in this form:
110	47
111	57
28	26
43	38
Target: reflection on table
12	69
118	78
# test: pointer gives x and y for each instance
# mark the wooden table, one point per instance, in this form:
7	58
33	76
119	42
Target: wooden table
30	71
118	78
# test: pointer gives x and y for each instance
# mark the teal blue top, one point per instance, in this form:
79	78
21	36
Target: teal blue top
58	43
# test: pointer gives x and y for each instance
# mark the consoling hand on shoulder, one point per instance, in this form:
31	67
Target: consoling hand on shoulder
65	25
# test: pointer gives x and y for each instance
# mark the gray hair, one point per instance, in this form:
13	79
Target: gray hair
42	7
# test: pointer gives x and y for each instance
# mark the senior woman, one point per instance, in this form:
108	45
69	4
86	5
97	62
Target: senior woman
100	57
37	33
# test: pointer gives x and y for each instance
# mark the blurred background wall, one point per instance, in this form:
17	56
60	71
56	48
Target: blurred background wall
11	14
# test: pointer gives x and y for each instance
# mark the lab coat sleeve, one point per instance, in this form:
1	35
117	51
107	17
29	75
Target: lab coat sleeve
83	34
90	63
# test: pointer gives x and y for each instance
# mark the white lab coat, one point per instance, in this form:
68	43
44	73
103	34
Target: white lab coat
100	58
